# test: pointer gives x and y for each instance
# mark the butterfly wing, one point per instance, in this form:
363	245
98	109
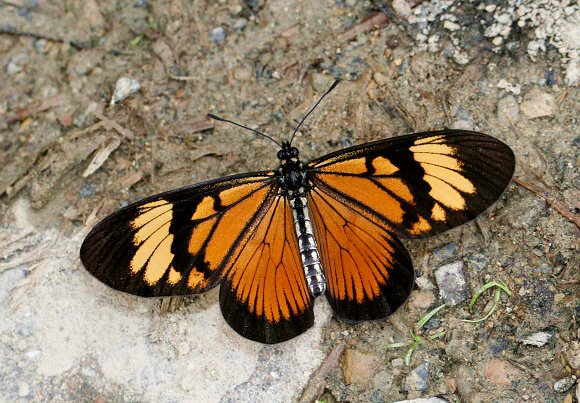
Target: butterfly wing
368	271
264	296
420	184
415	185
177	242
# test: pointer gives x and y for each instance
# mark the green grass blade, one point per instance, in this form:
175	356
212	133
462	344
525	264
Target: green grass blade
429	315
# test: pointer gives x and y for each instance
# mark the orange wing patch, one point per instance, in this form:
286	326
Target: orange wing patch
369	273
265	296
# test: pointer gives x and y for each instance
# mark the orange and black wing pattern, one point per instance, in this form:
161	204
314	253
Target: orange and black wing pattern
419	184
178	242
264	296
368	271
415	185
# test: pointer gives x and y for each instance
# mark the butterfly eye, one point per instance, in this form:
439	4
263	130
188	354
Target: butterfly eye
282	155
293	152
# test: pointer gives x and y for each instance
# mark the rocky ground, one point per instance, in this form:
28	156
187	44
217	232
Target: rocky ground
103	103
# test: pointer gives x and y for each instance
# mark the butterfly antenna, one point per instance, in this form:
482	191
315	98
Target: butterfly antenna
214	117
334	84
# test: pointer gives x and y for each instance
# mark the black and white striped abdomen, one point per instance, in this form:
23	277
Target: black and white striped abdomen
307	245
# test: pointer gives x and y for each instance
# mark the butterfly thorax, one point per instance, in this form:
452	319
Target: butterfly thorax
294	183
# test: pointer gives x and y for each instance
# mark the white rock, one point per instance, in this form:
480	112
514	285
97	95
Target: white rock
402	8
508	111
537	104
451	283
572	73
537	339
124	87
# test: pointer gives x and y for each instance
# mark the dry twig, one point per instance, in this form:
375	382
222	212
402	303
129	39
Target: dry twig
561	207
23	113
315	386
367	25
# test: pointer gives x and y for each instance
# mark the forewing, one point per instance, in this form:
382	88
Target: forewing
420	184
264	296
368	271
176	243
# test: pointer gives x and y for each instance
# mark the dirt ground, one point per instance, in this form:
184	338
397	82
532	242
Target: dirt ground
75	145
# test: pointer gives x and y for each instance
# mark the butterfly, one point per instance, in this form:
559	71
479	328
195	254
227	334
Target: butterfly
275	240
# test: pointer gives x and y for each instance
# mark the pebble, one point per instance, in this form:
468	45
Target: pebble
578	392
572	77
537	104
572	354
402	8
451	283
418	379
445	252
240	24
564	384
124	87
537	339
508	111
217	35
359	368
501	372
431	399
515	89
12	67
321	82
465	384
422	299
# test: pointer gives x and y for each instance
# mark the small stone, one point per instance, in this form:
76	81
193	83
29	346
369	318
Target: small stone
514	89
240	24
445	252
124	87
402	8
578	392
572	77
537	104
243	73
217	35
397	362
422	299
431	399
418	379
501	372
451	26
508	111
451	283
564	384
537	339
572	354
321	82
12	67
465	384
380	79
359	368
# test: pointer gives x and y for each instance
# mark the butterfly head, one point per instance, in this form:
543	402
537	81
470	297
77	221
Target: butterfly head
287	153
